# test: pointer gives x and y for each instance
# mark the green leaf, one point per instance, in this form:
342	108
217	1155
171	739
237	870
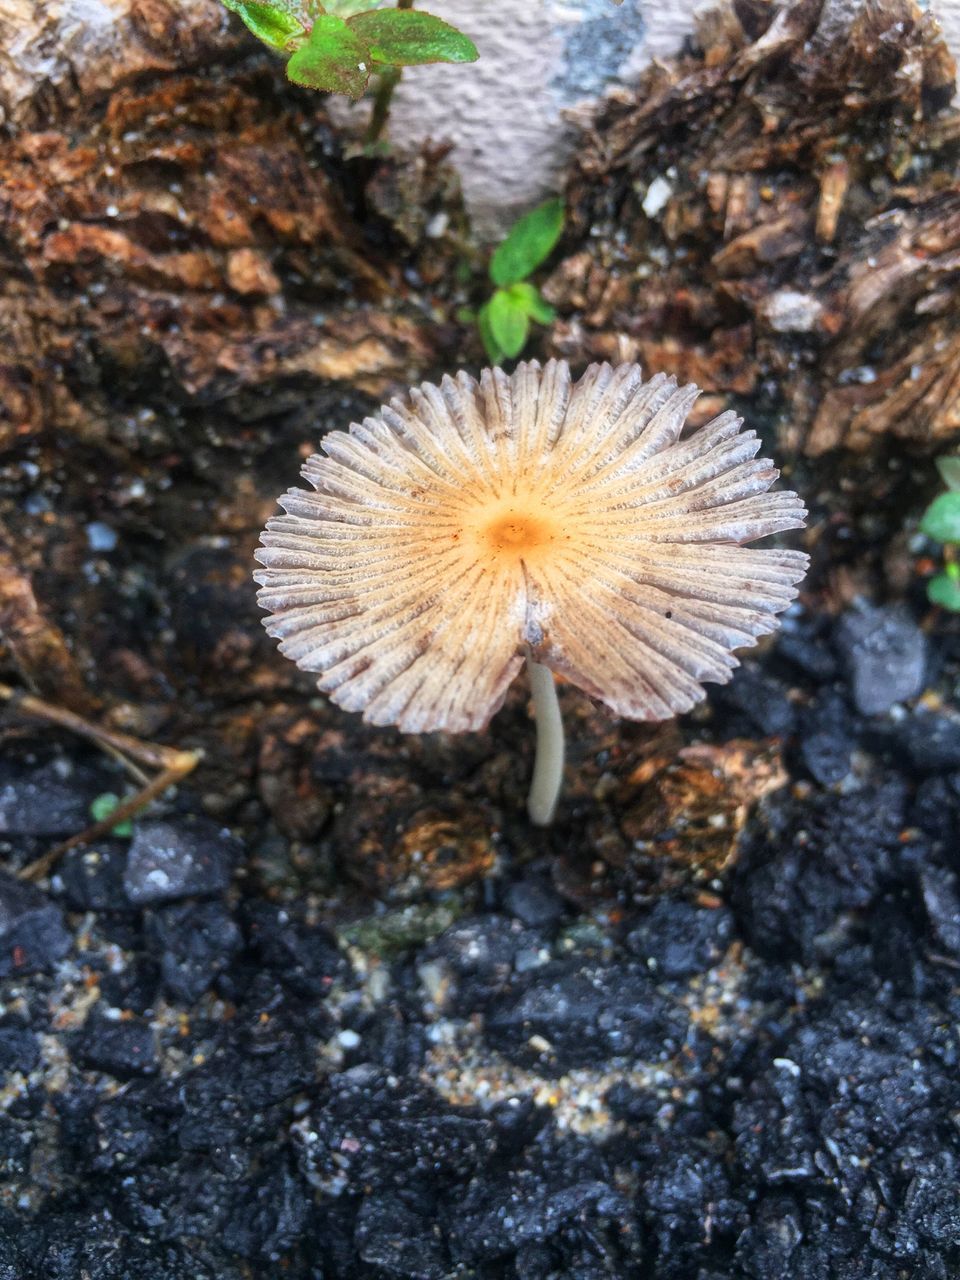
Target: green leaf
944	590
949	468
102	807
509	323
490	344
279	25
529	241
408	38
941	519
333	58
349	8
532	301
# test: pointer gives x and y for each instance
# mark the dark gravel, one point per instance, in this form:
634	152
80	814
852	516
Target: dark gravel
169	861
523	1078
885	654
32	932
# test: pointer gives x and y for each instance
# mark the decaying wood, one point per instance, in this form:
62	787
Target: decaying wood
807	202
35	643
175	222
57	56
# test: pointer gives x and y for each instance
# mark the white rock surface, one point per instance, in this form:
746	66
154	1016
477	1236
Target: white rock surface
538	58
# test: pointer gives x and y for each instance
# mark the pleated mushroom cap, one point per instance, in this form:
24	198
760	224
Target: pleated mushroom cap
474	520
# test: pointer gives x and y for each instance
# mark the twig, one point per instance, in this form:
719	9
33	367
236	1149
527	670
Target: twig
173	764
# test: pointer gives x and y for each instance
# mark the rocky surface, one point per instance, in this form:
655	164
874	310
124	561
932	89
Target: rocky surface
652	1073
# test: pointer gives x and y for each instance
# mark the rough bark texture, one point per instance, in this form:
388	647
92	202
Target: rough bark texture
778	213
179	230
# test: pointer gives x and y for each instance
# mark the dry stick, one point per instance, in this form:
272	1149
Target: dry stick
173	764
548	761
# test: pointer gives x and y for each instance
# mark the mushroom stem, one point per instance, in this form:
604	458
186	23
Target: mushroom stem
548	762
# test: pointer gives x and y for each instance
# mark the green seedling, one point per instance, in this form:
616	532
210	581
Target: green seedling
103	806
504	321
338	45
941	521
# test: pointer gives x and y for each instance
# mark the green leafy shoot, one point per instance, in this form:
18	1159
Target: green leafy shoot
333	58
337	46
495	353
409	38
949	468
944	589
509	323
102	807
349	8
279	25
529	242
941	521
504	321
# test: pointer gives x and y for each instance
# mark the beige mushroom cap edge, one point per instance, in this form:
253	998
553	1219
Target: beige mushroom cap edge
476	523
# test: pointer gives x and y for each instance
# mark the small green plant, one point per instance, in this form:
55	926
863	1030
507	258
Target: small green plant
102	807
941	521
504	321
338	45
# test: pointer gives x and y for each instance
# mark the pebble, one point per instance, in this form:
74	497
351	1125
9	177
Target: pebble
534	902
185	858
676	938
52	798
32	931
19	1049
571	1017
122	1048
931	741
196	941
91	877
885	656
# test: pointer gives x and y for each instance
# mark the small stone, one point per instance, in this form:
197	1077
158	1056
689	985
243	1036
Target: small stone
677	938
827	756
658	193
305	957
32	932
534	902
178	858
391	1235
122	1048
762	699
196	942
941	898
570	1017
789	311
100	537
16	1143
50	799
885	655
19	1050
932	742
804	648
92	877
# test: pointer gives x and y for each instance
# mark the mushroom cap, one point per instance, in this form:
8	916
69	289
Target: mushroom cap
475	522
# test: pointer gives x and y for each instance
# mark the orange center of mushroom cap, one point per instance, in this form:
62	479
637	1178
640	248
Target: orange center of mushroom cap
513	532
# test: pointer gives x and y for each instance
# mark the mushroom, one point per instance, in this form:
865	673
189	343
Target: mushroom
526	516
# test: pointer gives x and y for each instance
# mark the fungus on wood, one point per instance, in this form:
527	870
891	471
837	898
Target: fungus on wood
527	517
